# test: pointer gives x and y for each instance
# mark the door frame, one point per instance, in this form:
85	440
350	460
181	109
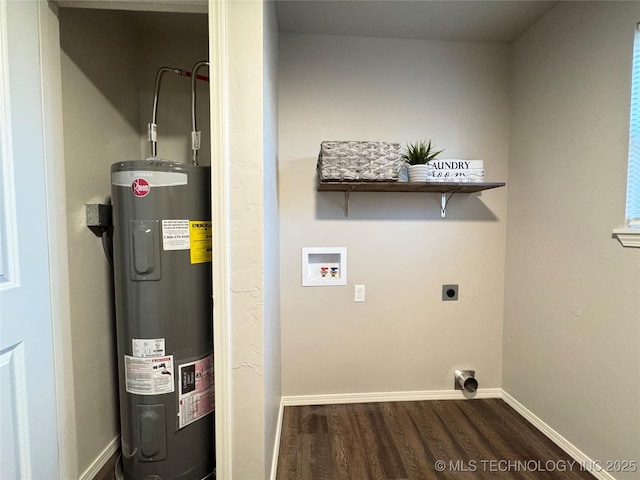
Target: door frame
219	112
51	81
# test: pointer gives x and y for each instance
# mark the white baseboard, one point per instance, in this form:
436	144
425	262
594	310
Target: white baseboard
556	438
276	448
409	396
102	460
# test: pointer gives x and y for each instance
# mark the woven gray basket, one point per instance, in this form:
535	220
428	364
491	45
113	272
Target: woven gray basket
360	161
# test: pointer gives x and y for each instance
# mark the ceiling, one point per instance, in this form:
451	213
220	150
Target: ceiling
468	21
498	21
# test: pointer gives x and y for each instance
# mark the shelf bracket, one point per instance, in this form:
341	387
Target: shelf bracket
347	194
445	202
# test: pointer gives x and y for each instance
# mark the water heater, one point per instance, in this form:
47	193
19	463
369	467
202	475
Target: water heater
162	274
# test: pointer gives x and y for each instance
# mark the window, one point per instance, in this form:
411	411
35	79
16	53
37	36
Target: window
630	236
633	176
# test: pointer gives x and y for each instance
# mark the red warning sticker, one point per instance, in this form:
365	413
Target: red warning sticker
140	187
196	395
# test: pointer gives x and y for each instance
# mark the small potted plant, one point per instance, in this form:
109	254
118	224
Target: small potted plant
417	156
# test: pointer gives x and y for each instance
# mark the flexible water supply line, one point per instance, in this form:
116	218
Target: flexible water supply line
152	134
195	134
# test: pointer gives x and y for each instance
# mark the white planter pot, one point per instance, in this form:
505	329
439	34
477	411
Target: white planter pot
419	173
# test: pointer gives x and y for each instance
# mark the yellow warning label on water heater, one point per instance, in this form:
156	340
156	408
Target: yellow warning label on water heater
200	239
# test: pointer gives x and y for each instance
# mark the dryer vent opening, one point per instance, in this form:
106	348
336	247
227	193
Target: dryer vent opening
465	380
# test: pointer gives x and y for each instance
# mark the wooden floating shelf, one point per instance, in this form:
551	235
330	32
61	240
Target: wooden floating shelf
438	187
443	188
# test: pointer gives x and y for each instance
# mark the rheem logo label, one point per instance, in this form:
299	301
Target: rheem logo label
140	187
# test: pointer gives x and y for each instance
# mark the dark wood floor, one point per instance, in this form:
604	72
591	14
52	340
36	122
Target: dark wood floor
108	471
473	439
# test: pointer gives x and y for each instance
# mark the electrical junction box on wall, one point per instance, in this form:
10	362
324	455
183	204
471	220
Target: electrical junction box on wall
324	266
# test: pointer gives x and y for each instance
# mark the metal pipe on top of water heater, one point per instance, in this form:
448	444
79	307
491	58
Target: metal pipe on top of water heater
153	127
152	134
195	134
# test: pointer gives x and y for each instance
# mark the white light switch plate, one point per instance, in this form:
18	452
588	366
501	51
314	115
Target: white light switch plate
359	293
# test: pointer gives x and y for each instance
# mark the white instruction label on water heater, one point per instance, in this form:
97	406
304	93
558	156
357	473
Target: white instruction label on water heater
149	376
196	396
148	347
175	235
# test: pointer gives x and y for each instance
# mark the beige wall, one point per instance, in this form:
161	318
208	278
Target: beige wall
572	303
108	72
403	338
100	112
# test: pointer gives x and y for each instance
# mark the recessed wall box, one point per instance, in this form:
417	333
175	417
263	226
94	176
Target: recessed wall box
324	266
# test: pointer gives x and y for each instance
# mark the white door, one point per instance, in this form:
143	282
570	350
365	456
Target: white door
29	439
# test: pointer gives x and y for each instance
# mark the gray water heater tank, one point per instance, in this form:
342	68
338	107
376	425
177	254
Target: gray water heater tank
162	274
